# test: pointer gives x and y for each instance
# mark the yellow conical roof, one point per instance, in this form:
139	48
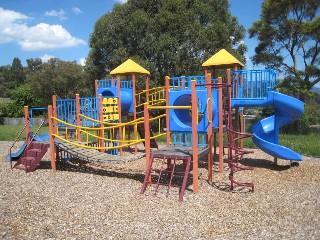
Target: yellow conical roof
223	59
129	66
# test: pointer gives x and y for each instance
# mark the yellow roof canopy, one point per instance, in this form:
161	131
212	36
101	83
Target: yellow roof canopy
129	66
223	59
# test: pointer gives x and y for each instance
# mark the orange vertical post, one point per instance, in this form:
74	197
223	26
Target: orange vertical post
27	123
135	132
229	95
147	132
120	115
194	124
220	126
52	147
79	137
167	82
215	133
235	89
101	131
54	114
183	82
209	134
205	71
96	86
147	88
242	130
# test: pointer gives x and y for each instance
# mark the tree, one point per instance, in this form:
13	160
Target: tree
289	40
57	77
17	71
168	37
5	83
34	64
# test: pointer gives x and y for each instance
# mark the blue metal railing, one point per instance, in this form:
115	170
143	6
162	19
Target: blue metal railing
184	82
66	110
185	139
105	83
89	108
253	84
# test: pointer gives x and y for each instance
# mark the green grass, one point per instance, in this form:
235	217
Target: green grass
304	144
10	132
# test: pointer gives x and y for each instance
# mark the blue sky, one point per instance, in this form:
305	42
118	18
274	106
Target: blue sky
62	28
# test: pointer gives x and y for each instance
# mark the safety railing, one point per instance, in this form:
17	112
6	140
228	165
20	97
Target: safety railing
66	110
253	84
105	83
111	139
89	107
184	82
156	96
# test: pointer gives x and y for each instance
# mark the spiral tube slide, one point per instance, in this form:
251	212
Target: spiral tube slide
266	132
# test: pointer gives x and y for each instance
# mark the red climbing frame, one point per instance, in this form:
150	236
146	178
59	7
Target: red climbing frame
235	144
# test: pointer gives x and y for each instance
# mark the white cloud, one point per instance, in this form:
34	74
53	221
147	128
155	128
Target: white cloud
10	23
13	28
44	36
45	58
82	61
76	10
54	13
122	1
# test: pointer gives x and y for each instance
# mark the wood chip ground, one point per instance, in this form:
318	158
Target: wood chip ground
103	201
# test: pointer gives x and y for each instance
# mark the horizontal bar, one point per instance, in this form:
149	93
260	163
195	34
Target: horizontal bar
169	107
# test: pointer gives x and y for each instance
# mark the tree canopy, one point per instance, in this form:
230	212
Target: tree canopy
168	37
289	40
57	77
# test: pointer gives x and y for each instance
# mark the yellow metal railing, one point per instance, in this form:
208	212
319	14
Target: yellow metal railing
157	96
93	133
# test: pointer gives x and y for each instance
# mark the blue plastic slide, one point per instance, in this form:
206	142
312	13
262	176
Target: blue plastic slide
17	155
266	132
39	138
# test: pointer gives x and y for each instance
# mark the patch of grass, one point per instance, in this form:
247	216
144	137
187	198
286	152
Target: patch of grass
308	144
10	132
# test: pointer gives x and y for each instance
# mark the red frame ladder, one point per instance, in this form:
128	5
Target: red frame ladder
170	167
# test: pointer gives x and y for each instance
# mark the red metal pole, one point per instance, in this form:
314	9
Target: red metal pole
167	82
55	114
147	132
52	147
134	111
220	126
27	122
205	71
79	137
194	124
209	134
147	88
101	131
120	115
96	86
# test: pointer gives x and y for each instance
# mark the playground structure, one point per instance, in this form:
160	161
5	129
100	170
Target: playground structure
196	109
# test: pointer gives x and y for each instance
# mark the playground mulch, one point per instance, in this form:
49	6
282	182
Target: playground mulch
104	202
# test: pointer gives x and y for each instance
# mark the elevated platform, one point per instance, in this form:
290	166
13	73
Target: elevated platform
168	162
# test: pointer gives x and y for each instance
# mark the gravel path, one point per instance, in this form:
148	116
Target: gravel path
104	202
